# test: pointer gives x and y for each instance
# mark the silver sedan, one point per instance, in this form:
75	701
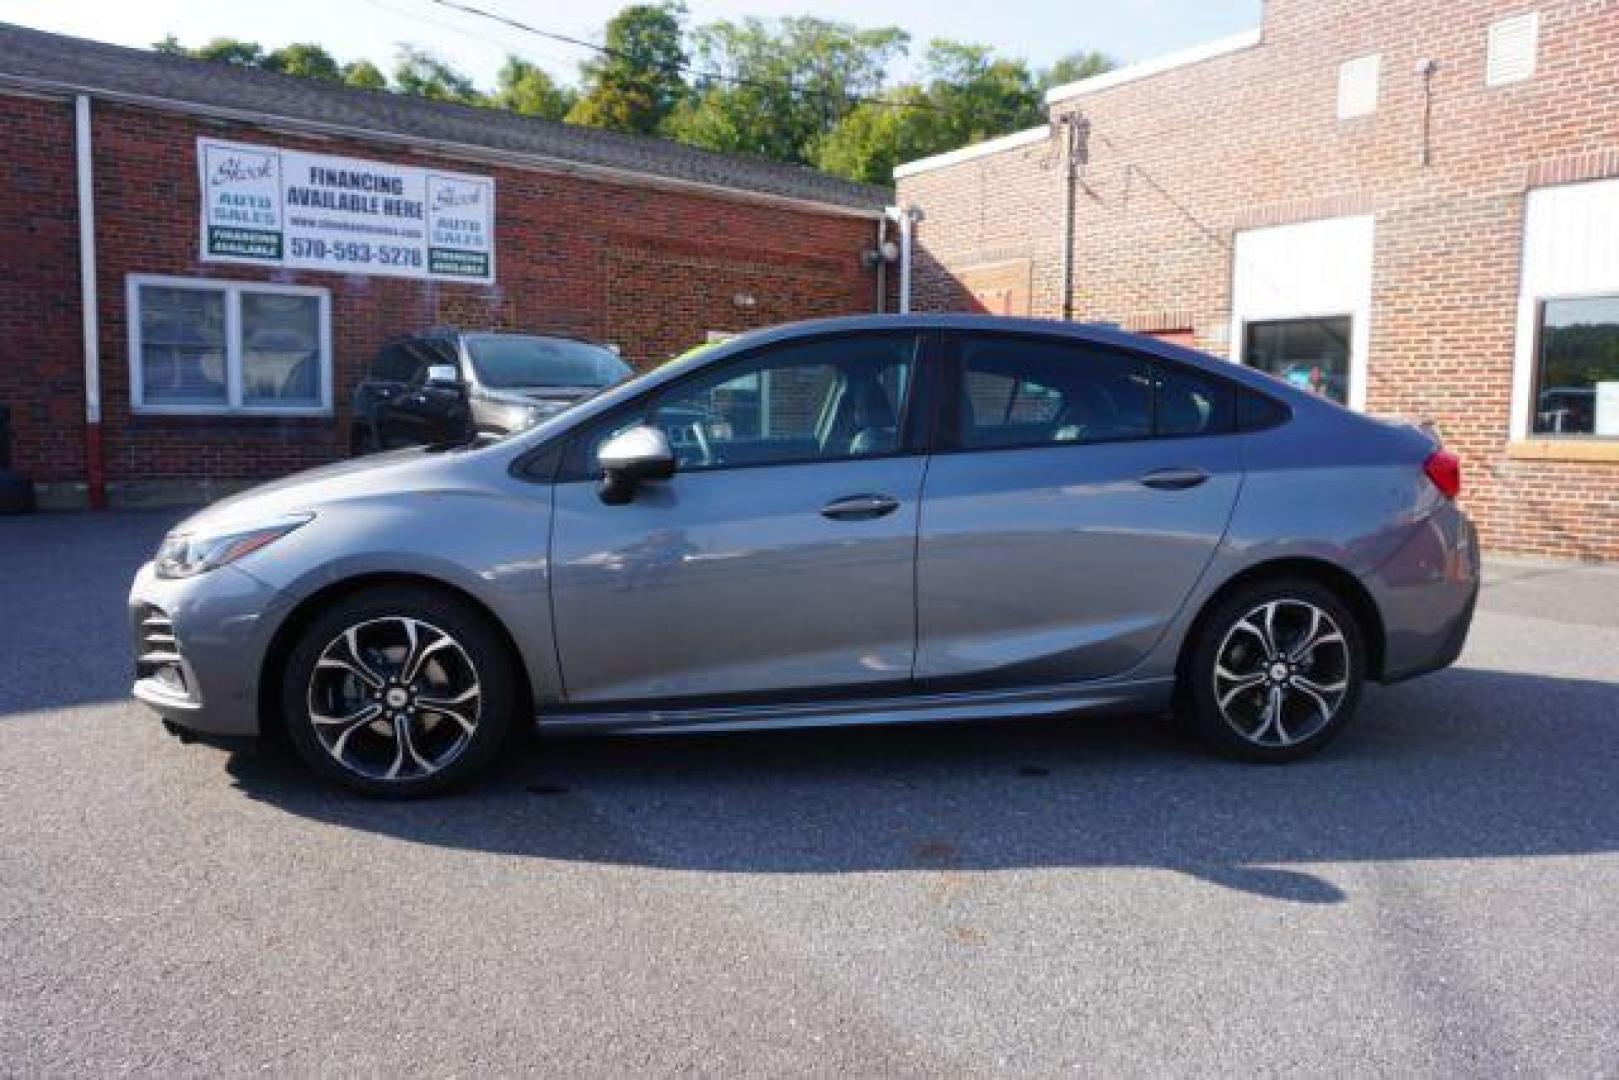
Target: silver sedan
864	520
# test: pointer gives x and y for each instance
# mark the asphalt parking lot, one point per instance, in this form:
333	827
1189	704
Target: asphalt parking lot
1434	895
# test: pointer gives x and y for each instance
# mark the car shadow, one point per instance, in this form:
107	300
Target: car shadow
1465	764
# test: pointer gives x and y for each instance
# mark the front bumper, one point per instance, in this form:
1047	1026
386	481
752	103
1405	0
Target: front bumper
200	644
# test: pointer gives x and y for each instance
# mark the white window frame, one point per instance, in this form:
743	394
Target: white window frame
1339	282
1568	254
1361	75
232	291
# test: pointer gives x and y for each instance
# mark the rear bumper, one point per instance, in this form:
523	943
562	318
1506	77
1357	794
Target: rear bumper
200	644
1427	592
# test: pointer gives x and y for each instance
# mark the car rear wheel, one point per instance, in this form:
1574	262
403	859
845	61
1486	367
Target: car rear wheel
1276	671
399	692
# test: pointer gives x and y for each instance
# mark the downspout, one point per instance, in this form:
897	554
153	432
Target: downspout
907	219
94	465
882	264
1071	162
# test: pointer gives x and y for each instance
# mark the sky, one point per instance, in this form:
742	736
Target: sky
1038	30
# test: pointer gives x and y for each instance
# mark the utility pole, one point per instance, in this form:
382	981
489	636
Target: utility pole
1074	130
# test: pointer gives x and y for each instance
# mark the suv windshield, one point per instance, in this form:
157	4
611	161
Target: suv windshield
509	361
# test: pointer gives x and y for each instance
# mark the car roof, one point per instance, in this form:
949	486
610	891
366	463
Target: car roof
1095	333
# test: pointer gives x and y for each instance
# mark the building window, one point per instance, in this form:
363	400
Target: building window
1565	376
1511	52
200	346
1357	86
1577	368
1312	354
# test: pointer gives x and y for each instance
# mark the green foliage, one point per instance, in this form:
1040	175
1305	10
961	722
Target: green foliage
1074	67
636	83
804	90
220	50
527	89
365	75
776	89
967	94
419	73
307	61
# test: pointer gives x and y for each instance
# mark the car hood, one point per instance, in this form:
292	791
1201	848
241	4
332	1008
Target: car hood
417	469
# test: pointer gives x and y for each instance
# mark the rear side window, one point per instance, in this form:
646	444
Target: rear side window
1256	412
1192	404
1029	392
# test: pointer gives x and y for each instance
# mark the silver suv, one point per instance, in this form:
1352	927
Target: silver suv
851	521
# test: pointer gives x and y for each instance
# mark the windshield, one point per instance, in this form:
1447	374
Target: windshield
509	361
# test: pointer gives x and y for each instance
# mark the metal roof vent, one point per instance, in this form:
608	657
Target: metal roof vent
1357	86
1512	49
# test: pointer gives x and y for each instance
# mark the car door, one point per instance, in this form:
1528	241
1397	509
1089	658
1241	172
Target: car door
779	558
383	383
1078	494
421	412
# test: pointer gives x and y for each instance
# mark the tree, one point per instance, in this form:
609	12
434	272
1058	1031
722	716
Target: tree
527	89
365	75
223	50
304	60
873	138
1074	67
775	89
969	94
421	74
635	84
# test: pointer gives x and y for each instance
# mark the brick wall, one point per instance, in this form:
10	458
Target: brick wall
41	362
1176	163
649	269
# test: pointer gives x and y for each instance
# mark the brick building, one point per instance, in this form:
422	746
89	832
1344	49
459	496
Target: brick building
223	336
1411	206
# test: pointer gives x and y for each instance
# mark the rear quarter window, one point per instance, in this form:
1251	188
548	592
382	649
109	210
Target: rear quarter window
1257	412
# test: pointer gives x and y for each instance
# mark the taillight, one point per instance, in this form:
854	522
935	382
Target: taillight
1445	470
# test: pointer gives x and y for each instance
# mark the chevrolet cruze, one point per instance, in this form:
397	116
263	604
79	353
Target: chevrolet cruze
873	519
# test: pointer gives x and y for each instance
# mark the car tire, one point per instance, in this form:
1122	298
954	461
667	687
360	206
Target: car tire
400	692
1290	641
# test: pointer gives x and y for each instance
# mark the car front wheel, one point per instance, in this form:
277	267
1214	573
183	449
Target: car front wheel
399	692
1276	671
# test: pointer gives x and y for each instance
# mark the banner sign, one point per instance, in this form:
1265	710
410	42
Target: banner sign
314	212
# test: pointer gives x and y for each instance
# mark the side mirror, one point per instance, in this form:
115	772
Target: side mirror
443	377
632	457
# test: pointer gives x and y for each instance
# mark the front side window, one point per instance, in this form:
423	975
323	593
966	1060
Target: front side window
833	399
219	347
1576	388
1312	354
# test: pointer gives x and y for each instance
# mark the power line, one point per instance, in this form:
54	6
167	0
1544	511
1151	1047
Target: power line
683	69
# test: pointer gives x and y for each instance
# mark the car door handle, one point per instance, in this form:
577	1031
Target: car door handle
859	507
1174	479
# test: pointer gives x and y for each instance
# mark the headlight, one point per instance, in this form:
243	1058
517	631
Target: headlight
183	555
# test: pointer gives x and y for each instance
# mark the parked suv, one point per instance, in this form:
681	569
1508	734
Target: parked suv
447	385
